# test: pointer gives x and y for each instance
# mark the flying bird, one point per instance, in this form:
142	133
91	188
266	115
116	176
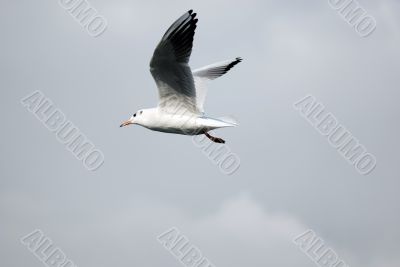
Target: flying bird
182	92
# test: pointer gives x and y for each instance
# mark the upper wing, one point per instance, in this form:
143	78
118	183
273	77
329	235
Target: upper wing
169	65
210	72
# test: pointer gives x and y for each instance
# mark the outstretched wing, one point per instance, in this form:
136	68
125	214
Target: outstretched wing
169	65
207	73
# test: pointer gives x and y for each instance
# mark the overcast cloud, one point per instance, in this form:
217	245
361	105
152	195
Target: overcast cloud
290	178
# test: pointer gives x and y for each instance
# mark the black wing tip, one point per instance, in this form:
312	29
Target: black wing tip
232	64
192	14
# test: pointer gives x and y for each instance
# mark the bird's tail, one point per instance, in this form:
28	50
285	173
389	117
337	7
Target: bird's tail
229	120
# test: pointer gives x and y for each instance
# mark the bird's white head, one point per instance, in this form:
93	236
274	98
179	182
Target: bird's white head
138	118
143	117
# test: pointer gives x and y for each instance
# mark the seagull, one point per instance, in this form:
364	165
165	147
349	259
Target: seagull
182	92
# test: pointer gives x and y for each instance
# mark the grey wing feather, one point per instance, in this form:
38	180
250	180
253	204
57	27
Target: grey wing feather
169	64
210	72
216	70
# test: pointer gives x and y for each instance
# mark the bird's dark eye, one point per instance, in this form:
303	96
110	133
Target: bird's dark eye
134	115
141	112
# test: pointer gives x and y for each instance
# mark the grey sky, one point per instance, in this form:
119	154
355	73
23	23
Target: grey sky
290	178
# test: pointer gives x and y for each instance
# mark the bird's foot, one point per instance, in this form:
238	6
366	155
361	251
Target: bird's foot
215	139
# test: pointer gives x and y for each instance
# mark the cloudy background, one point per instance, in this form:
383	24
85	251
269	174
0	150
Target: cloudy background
290	178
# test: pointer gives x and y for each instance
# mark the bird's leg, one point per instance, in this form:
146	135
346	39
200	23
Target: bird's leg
215	139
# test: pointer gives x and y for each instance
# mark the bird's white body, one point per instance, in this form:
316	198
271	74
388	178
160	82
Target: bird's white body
157	119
